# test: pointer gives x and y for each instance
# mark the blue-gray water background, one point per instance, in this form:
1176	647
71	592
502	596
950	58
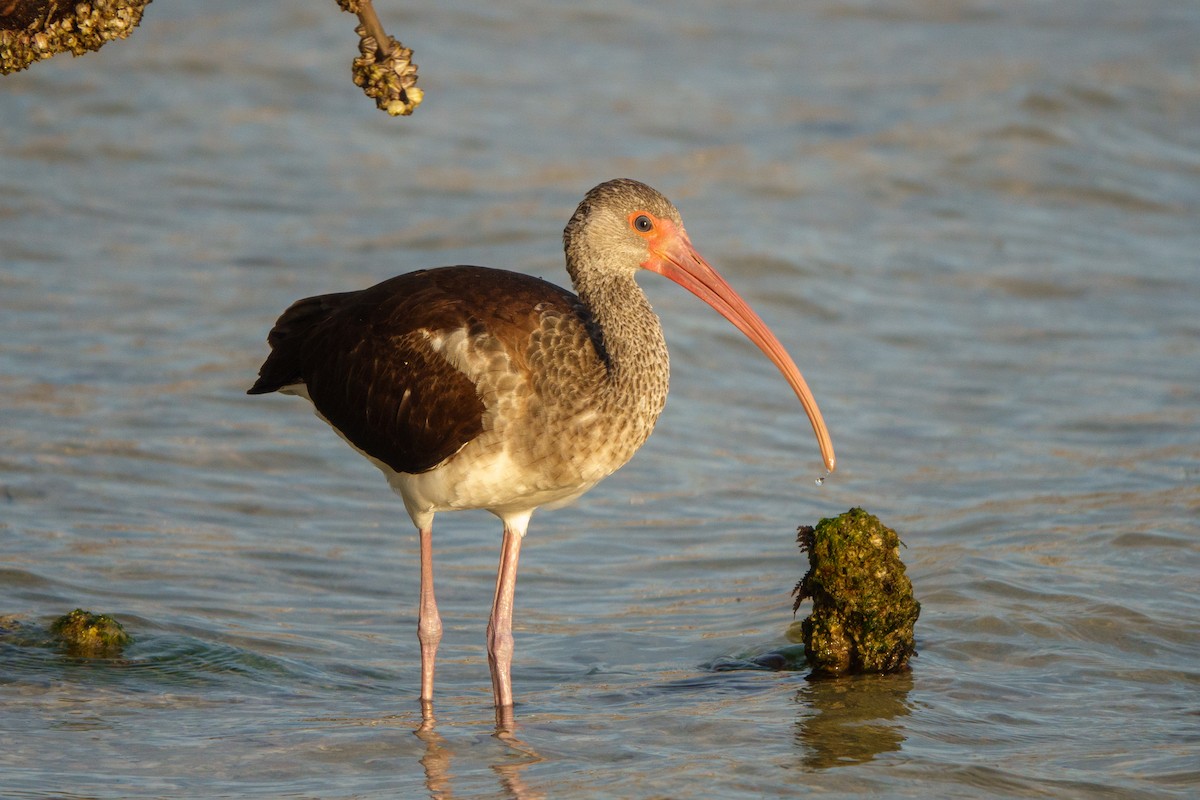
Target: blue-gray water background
975	224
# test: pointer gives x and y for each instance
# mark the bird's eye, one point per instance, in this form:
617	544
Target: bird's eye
643	224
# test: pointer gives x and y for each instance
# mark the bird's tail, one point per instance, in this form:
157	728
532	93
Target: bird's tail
284	366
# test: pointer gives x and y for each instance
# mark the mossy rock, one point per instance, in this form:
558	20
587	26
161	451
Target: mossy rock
863	605
90	635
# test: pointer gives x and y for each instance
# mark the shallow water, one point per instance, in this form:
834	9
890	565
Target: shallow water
974	224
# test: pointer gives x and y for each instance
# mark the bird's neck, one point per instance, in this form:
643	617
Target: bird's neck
635	350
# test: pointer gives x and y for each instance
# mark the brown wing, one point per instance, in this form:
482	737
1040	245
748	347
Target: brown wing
368	367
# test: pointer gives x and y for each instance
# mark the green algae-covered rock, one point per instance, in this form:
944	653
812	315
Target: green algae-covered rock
90	635
863	605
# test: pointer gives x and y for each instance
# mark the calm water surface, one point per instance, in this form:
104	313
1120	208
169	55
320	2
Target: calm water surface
976	225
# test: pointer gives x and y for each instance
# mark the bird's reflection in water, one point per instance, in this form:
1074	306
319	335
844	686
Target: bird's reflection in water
436	761
524	755
438	755
852	720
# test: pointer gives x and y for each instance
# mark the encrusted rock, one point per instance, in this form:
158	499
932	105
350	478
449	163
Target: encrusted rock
863	605
90	635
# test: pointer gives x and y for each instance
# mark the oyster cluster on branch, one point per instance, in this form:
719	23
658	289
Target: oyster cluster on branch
389	77
32	30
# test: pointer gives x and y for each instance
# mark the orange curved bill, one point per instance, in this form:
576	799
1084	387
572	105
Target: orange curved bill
675	258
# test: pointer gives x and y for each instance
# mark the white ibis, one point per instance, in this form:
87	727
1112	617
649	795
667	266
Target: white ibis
472	387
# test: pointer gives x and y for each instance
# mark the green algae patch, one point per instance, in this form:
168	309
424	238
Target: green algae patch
90	635
863	606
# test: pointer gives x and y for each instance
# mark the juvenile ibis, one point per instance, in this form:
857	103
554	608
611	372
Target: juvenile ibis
472	387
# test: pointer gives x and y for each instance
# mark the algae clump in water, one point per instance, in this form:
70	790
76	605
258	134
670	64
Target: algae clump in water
863	605
90	635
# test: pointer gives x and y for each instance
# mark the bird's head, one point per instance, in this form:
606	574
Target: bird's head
622	226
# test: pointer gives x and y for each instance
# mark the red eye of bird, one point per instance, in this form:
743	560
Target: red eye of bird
643	224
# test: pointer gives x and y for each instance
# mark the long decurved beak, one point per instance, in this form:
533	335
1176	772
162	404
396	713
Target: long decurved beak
673	256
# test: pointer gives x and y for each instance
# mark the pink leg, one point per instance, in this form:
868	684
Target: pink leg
499	635
429	624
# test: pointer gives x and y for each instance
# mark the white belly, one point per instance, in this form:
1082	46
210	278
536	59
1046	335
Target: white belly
485	476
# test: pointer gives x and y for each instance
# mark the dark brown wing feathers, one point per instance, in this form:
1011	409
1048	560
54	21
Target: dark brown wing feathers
366	361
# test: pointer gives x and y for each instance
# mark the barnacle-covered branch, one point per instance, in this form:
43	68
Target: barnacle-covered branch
32	30
384	68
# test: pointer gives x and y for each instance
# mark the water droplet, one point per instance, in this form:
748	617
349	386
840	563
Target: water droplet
821	481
